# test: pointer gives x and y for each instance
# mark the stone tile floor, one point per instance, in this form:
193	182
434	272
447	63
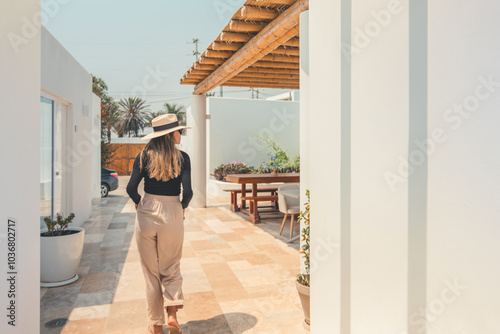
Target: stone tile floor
238	277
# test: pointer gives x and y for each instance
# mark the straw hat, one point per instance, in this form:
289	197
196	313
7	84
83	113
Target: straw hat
164	124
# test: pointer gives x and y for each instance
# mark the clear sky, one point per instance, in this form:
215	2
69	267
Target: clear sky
141	46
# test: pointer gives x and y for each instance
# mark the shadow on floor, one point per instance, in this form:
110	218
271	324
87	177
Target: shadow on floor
240	322
271	224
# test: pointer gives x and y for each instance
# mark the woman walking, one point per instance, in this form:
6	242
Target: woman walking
159	226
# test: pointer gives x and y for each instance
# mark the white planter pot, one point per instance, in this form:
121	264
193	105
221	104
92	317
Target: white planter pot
60	258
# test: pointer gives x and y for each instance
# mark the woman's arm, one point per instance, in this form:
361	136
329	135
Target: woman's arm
134	181
187	191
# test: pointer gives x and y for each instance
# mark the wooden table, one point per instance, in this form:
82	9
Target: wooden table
255	179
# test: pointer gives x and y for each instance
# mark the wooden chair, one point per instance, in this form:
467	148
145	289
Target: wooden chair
288	205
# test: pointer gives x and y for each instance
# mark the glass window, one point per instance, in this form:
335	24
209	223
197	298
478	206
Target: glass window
46	157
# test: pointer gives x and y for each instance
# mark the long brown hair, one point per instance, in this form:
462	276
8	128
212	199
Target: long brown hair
159	152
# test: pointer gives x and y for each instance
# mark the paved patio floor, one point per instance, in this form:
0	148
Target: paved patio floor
238	277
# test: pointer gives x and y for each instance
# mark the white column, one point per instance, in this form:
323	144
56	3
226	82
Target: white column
379	194
324	151
304	113
20	171
198	150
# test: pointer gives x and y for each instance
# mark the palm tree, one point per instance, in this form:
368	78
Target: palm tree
132	117
109	119
152	115
178	109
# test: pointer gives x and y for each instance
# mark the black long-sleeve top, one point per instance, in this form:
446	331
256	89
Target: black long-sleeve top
153	186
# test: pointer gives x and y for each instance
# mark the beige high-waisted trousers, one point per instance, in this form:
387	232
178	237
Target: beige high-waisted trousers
159	232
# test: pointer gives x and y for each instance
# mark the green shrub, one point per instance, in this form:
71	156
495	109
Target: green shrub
223	170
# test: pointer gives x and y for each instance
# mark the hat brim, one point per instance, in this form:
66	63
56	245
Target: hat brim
164	132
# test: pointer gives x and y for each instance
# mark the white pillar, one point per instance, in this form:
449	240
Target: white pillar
304	113
324	151
20	172
198	150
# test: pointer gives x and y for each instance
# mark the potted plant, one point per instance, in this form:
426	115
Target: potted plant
61	251
303	280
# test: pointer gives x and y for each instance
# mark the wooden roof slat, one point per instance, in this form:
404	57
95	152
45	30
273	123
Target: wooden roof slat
280	76
281	59
217	54
251	13
211	61
223	46
251	79
234	37
286	51
261	85
244	26
292	42
252	69
205	67
199	72
270	64
269	3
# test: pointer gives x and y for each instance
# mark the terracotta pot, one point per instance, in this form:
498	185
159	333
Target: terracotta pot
60	258
304	294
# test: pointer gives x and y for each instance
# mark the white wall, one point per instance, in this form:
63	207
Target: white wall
19	171
388	245
464	170
64	78
234	123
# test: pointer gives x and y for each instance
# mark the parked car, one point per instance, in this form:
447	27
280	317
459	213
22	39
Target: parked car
109	181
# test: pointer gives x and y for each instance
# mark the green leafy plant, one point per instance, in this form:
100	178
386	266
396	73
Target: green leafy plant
58	226
223	170
304	217
278	159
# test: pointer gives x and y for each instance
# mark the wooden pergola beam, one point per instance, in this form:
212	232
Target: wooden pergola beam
234	37
198	72
198	77
248	76
223	46
292	42
286	51
281	59
251	13
261	85
210	61
217	54
267	2
283	28
270	70
270	64
244	26
266	80
266	76
204	67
